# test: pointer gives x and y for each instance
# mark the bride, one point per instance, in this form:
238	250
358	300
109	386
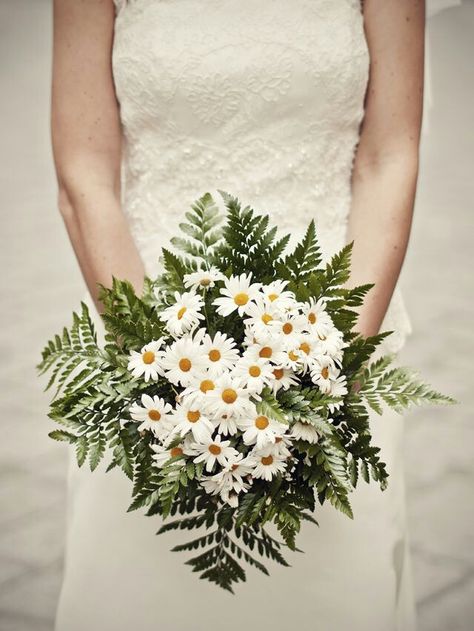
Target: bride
303	109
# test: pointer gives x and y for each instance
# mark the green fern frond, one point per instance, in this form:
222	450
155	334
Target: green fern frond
76	348
337	271
303	403
355	297
249	246
131	321
202	230
304	260
399	388
330	476
360	350
269	406
122	446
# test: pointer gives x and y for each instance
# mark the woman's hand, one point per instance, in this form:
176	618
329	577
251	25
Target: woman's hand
386	163
86	135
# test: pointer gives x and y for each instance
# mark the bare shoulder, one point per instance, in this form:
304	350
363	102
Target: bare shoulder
84	112
395	31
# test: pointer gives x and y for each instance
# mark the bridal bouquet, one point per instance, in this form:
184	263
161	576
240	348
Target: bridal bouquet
233	393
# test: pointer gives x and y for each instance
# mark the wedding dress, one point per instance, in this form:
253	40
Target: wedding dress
263	99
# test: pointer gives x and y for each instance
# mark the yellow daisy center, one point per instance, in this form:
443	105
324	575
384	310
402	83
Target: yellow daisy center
287	328
261	422
322	337
206	385
312	317
241	299
266	460
293	356
272	297
176	451
266	318
305	347
205	282
154	415
193	416
254	371
229	395
266	352
278	373
214	449
325	372
181	313
148	357
185	364
214	355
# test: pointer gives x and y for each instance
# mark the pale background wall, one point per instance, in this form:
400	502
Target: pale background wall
40	285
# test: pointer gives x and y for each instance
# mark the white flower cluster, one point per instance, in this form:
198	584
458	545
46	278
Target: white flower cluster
218	387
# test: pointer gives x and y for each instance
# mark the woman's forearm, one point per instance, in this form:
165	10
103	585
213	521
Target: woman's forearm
379	224
86	135
386	163
101	238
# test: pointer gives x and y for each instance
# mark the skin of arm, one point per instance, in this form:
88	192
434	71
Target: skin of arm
386	163
86	140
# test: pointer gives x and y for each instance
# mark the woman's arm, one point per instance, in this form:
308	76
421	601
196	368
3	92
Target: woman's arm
386	163
86	136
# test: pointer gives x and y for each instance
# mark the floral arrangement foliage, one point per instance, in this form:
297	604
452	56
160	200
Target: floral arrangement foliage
234	393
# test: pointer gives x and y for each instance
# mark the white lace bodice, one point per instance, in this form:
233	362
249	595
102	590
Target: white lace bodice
262	99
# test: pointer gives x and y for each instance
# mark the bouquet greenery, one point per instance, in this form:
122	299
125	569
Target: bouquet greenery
226	392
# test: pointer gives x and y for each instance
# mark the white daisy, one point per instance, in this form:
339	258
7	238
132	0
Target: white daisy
226	486
183	360
266	347
230	482
239	467
237	293
305	431
221	352
337	388
332	344
229	496
267	464
147	362
289	328
163	452
192	418
318	321
260	317
260	430
282	446
229	398
184	314
276	294
154	414
203	279
323	371
309	348
201	383
283	378
226	425
217	484
290	358
213	450
253	373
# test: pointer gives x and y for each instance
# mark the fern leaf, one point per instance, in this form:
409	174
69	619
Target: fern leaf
304	260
